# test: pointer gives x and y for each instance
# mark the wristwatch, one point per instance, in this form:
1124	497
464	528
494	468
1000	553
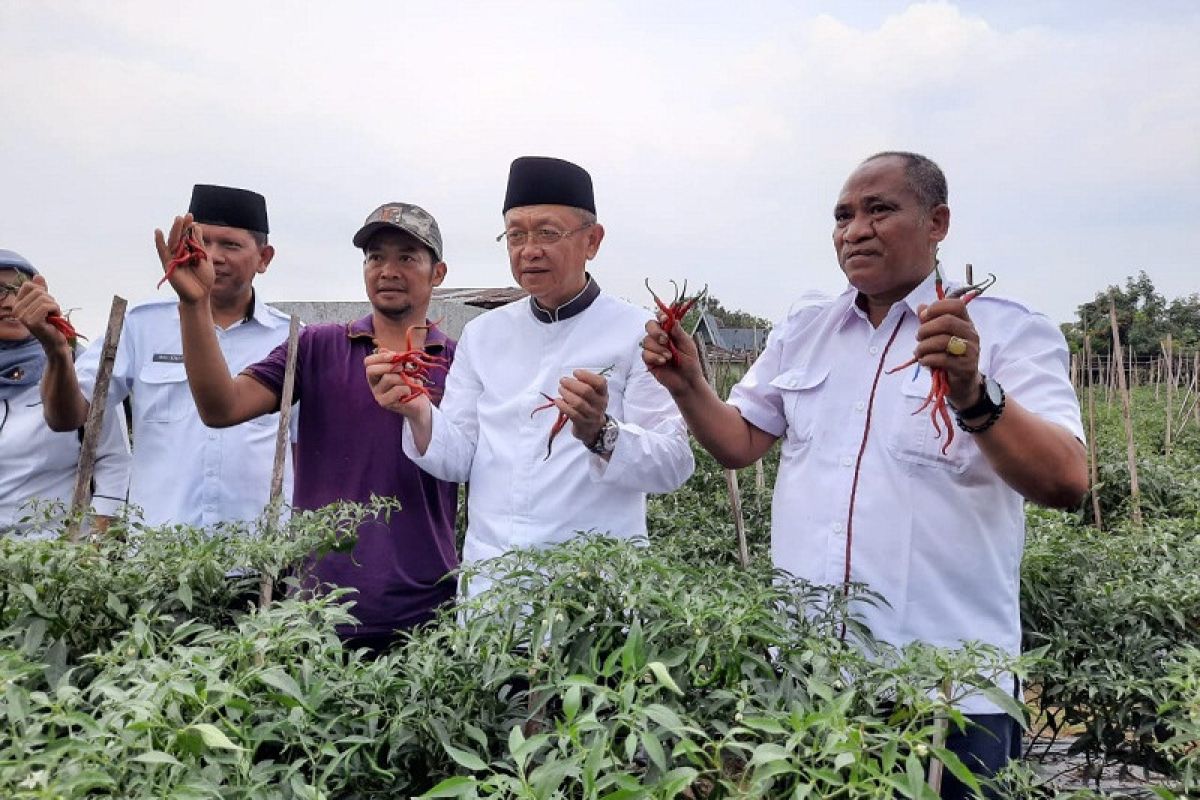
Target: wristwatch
606	439
990	404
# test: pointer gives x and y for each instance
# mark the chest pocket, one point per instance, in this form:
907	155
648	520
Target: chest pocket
165	394
799	389
914	440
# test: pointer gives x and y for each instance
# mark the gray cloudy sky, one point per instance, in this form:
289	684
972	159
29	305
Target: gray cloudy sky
717	133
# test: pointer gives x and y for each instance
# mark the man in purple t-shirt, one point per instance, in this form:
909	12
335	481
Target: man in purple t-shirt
348	447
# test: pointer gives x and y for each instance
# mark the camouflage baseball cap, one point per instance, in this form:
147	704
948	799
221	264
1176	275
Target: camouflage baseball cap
413	220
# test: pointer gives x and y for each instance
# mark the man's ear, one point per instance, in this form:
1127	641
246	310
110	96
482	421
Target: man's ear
265	255
595	237
439	273
939	221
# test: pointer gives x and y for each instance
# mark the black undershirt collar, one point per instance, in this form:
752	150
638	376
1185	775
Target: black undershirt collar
576	305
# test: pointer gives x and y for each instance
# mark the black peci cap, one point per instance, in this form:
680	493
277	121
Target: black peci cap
538	180
233	208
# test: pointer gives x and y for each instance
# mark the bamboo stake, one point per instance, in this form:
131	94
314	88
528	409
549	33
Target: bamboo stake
731	479
1169	364
283	440
81	499
1127	409
1093	467
940	726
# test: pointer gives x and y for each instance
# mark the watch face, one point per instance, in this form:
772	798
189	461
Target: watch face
994	393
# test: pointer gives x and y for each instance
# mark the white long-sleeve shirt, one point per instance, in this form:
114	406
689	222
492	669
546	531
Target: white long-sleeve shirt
38	465
940	536
184	472
484	432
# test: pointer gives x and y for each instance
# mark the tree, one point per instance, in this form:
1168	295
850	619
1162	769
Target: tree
734	319
1144	318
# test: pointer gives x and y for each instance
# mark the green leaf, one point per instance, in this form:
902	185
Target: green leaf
157	757
663	716
765	724
184	593
571	702
465	758
457	786
664	677
276	678
212	736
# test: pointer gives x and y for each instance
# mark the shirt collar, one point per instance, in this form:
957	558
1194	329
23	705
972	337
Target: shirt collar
260	313
435	337
576	305
847	302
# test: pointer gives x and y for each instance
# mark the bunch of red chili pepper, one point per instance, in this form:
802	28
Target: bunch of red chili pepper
674	313
188	253
414	364
939	385
59	321
561	421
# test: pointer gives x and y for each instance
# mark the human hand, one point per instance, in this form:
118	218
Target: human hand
583	397
192	280
390	389
679	375
941	322
34	308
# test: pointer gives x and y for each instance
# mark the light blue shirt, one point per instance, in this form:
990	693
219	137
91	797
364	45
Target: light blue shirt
183	471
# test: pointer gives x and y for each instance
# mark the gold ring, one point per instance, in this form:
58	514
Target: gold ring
957	346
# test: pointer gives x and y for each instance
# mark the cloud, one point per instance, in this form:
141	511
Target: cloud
718	143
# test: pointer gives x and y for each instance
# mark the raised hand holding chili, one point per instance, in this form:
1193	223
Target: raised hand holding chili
188	253
674	313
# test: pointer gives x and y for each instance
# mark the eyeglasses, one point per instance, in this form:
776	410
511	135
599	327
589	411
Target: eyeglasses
540	236
8	288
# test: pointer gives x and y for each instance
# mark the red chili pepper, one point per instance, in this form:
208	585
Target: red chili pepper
65	327
414	364
939	384
188	253
561	421
674	313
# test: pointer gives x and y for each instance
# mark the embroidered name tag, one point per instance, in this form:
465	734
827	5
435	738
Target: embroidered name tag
168	358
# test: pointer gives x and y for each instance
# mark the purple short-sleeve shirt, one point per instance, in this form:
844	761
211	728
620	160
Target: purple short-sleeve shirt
349	448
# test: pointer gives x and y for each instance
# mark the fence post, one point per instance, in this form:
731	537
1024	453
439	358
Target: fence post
1127	407
731	479
1093	468
81	498
283	440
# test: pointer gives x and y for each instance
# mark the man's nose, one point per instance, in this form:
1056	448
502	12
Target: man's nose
859	228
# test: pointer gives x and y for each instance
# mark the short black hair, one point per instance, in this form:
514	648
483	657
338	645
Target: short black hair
924	177
259	237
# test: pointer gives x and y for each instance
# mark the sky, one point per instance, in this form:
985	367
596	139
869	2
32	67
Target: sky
717	134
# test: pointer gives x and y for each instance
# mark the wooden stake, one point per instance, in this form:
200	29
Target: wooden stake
940	726
81	499
731	479
1127	409
283	441
1093	467
1169	365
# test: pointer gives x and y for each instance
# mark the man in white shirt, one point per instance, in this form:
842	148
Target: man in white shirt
868	489
38	465
571	342
183	471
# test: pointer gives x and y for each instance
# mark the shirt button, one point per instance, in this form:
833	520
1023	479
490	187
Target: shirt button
873	350
212	437
847	461
210	473
837	527
860	406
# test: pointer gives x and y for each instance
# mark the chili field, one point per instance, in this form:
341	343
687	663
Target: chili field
596	669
